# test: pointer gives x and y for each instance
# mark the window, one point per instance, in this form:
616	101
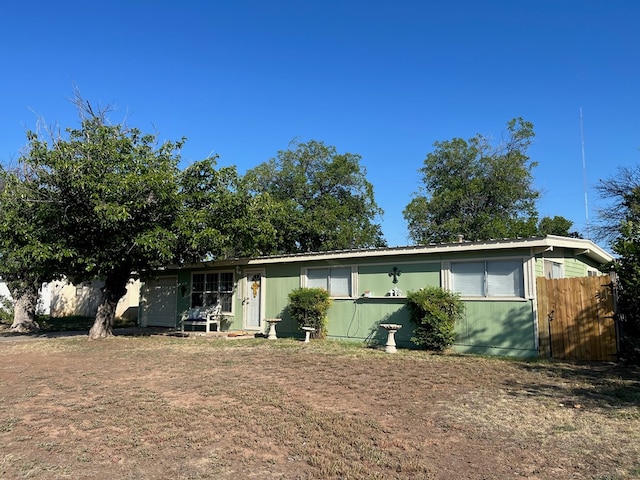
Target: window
495	278
207	289
553	269
337	281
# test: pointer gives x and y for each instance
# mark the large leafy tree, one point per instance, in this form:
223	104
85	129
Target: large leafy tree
620	223
319	200
220	217
476	189
105	201
30	251
557	225
113	196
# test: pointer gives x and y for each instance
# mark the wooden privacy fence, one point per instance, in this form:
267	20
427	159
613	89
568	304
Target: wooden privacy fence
576	318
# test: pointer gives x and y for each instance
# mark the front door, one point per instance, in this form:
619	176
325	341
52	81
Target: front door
253	300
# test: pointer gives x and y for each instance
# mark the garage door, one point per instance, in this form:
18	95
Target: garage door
159	302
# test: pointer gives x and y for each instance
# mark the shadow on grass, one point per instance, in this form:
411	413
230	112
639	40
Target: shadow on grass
601	385
77	325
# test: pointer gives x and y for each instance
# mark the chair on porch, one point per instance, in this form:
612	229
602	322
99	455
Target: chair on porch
214	316
203	316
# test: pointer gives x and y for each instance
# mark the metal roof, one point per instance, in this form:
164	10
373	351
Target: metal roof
539	244
535	244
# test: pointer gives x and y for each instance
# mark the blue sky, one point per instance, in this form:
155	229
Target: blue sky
378	78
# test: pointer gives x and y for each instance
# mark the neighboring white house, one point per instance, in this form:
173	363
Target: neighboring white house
44	297
61	298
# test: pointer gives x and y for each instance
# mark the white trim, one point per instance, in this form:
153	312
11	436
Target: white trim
540	244
353	283
445	275
492	299
204	272
530	278
405	262
583	246
261	272
534	305
553	259
558	261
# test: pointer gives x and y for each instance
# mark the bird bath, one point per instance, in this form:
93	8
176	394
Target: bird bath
307	333
391	328
272	327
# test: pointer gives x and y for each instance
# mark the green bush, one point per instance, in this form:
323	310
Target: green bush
6	310
434	311
309	307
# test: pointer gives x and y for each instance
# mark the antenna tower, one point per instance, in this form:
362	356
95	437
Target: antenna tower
584	176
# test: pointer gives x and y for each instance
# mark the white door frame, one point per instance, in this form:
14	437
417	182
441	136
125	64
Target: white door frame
248	299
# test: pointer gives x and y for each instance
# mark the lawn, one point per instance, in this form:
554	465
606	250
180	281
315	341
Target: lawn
164	407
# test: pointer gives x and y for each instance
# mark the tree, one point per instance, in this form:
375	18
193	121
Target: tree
108	202
475	189
320	199
620	222
621	191
29	251
219	215
113	198
557	226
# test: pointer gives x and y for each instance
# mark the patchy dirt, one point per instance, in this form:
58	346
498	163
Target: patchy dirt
161	407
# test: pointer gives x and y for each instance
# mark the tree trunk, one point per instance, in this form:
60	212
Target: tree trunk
115	287
24	310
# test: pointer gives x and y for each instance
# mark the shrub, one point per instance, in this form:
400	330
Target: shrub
309	307
6	310
434	311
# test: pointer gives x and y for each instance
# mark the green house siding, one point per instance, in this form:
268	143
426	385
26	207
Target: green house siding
497	328
412	277
499	325
279	282
184	299
573	266
359	319
490	328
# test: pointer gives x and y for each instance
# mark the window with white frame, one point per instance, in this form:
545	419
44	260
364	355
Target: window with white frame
553	269
207	289
490	278
335	280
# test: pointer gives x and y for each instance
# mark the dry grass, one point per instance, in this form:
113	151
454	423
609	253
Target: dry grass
164	407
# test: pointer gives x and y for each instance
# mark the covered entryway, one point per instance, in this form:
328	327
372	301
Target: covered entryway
159	301
576	318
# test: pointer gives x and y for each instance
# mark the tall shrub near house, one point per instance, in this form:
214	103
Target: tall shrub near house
309	307
434	311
